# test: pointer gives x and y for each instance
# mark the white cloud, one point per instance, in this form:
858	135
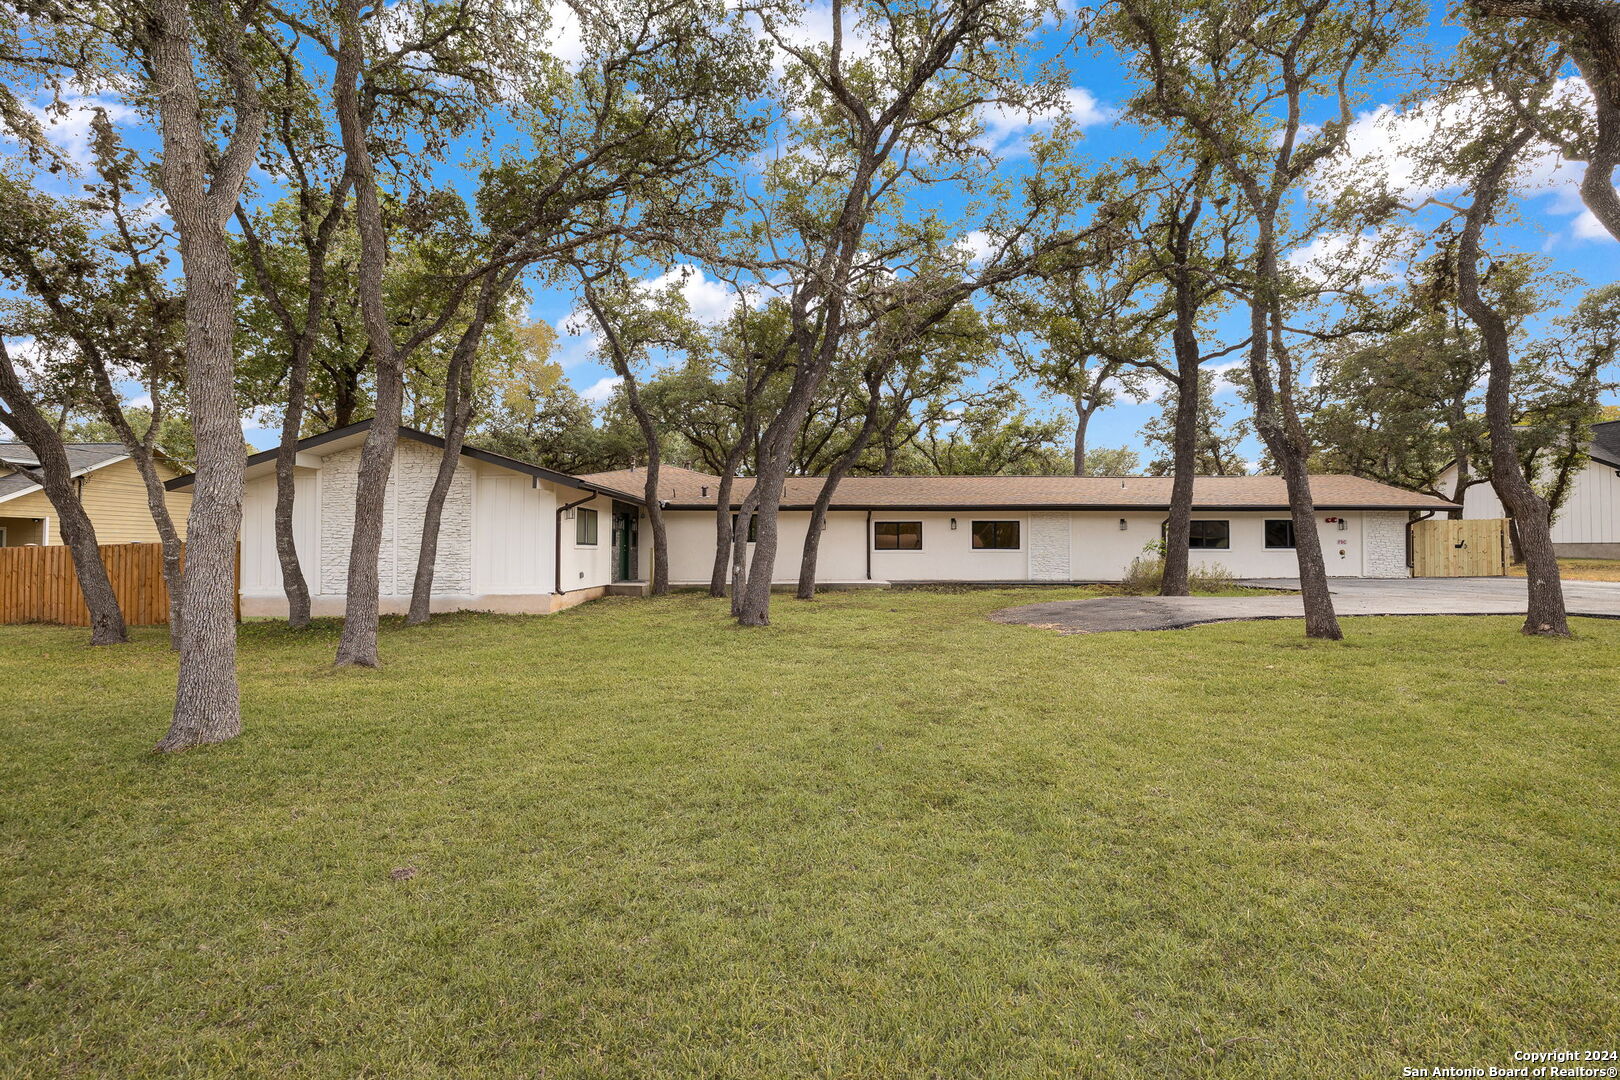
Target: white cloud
602	389
68	128
1007	130
1588	227
709	299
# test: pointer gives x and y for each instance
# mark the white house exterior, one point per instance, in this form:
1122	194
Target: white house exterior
498	546
1588	524
519	538
1063	528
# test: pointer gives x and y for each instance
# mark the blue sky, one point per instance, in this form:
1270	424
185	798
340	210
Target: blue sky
1551	220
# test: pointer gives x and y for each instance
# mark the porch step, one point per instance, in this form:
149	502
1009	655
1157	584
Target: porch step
627	588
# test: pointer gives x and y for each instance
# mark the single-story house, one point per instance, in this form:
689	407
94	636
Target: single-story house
520	538
1588	524
110	489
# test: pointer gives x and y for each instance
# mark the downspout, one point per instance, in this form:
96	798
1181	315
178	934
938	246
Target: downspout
1411	554
557	547
869	545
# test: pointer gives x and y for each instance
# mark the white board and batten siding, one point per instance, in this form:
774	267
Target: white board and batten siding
496	550
1589	518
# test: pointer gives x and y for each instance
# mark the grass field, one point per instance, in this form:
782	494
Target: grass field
883	838
1580	569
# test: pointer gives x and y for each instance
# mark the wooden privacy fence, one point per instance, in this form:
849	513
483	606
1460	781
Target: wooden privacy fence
1445	548
37	584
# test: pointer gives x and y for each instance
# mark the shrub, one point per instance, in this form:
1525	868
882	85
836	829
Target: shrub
1146	574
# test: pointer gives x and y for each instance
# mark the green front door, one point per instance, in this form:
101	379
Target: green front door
624	542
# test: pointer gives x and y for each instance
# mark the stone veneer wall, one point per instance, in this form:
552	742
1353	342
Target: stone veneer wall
1383	538
1049	547
415	466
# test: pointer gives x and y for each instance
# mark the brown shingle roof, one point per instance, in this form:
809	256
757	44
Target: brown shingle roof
686	489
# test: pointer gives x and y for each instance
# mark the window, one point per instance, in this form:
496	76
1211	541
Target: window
585	526
1279	533
1209	534
753	527
897	535
995	535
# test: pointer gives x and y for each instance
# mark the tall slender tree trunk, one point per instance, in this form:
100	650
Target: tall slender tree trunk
458	412
1184	459
1184	440
55	476
457	417
840	469
1279	427
739	548
140	449
1082	420
722	518
357	645
207	705
1545	612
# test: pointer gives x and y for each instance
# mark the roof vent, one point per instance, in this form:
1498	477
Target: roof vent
705	491
1122	483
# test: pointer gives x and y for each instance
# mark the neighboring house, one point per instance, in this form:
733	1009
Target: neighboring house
521	538
1588	524
109	486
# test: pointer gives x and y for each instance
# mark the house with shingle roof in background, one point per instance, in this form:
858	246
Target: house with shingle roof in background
518	537
109	487
1588	524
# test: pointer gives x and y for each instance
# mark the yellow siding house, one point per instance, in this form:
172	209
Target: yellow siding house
109	487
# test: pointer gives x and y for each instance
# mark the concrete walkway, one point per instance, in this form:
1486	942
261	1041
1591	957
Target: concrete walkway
1351	596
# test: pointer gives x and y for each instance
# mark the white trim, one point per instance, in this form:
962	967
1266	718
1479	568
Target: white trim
33	487
2	536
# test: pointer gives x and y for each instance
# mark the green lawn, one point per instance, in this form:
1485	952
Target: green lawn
882	838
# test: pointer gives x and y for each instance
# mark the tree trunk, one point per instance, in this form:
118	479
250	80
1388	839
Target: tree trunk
1184	440
1082	420
840	468
1184	447
55	475
457	417
207	705
458	411
739	548
722	519
1279	428
1545	612
659	584
358	644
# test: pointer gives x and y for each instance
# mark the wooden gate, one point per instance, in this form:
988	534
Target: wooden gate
38	585
1445	548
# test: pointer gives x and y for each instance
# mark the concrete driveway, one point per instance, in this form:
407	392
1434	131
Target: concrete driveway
1351	596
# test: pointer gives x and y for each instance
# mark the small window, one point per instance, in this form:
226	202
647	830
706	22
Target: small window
1209	534
995	535
1279	533
753	527
897	535
585	526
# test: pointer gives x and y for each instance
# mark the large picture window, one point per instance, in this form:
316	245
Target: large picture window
1279	533
1209	534
585	526
897	535
995	535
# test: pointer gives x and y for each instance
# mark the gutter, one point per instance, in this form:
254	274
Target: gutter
557	545
1411	554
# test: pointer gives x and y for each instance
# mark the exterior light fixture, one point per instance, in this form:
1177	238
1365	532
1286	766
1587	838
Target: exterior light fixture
953	523
1122	525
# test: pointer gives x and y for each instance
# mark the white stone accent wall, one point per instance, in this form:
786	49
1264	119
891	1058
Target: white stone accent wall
409	483
1049	547
1383	537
